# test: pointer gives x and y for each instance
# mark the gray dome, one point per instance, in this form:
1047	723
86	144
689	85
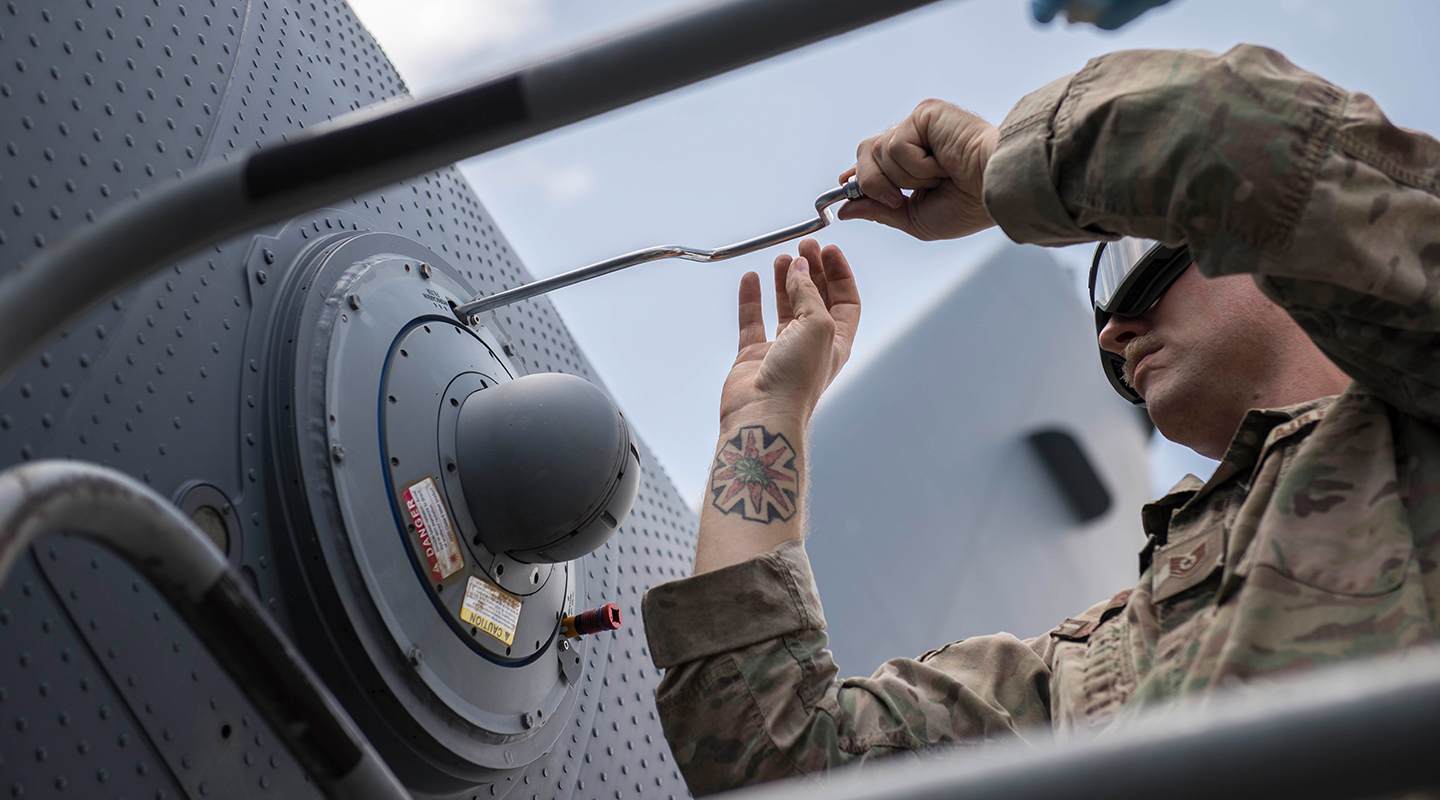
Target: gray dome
548	466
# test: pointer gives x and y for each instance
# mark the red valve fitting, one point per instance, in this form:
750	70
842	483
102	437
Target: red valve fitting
604	618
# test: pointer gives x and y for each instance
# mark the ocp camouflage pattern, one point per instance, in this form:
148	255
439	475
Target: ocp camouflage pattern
1315	541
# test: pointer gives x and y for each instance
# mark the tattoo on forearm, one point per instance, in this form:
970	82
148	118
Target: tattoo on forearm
755	476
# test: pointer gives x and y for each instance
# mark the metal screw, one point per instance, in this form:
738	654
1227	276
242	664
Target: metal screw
338	452
564	645
354	301
534	576
509	349
528	720
415	657
269	256
426	271
260	276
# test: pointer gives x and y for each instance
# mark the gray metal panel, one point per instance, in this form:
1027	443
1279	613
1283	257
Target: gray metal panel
199	723
932	518
99	103
66	728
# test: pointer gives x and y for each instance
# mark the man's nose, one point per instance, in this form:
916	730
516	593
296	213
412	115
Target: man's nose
1118	332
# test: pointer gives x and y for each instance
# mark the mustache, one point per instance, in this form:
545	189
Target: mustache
1136	349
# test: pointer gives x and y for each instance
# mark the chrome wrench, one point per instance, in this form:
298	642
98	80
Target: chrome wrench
481	303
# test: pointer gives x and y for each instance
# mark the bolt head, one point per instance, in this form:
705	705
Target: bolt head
426	271
338	452
354	301
510	349
564	645
260	276
415	656
269	256
528	720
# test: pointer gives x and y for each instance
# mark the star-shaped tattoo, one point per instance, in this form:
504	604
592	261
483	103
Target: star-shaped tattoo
754	476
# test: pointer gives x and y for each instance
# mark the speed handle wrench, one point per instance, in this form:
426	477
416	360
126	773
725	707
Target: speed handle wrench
481	303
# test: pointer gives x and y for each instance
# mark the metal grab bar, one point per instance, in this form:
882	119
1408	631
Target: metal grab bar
47	497
380	144
481	303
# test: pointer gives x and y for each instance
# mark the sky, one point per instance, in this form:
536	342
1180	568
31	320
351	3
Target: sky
747	152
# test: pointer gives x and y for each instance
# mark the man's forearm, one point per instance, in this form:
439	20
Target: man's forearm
755	491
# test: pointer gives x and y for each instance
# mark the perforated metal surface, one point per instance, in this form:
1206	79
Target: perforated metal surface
99	103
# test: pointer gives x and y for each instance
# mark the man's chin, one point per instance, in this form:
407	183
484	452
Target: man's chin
1167	411
1157	399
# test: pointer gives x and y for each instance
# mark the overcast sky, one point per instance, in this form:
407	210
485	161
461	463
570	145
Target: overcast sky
746	153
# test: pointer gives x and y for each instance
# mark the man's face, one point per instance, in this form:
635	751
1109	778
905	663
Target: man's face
1200	355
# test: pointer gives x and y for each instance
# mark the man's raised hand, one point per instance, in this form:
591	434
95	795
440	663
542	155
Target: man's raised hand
818	310
939	152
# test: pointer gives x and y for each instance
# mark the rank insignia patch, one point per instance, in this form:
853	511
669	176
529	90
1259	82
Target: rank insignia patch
1186	563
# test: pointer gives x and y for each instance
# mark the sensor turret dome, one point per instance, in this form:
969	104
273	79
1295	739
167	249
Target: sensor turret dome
548	466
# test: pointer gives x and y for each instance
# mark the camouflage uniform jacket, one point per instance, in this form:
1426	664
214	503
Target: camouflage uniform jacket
1316	539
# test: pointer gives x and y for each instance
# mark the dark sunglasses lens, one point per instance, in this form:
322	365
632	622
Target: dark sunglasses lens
1114	263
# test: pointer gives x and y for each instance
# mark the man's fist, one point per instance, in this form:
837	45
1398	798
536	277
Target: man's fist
939	152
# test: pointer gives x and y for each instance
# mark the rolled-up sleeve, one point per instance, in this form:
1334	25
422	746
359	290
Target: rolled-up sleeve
763	598
751	693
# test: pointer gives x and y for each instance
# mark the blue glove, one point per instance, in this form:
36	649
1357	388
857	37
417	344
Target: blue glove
1106	14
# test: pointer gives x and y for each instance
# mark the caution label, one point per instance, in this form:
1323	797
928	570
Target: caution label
433	528
490	609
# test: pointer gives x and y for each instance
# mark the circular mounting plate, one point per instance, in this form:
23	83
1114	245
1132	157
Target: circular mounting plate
431	366
368	319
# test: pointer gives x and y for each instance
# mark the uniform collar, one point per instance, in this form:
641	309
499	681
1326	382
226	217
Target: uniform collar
1259	430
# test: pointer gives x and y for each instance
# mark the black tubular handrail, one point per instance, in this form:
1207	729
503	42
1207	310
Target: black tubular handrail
381	144
49	497
1366	728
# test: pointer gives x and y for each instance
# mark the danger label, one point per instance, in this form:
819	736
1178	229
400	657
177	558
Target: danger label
490	609
433	529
